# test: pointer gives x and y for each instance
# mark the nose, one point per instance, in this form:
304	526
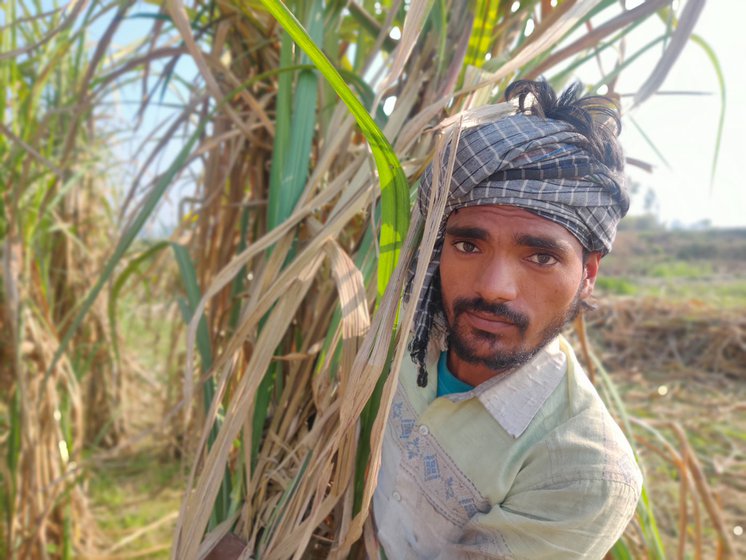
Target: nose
498	282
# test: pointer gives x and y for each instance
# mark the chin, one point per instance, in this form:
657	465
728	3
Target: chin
495	358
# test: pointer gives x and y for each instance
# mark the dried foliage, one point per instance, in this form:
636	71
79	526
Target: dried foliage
53	228
662	336
681	368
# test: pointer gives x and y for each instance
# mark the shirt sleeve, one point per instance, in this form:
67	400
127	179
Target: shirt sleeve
575	519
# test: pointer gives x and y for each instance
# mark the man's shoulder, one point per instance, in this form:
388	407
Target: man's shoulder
574	400
580	435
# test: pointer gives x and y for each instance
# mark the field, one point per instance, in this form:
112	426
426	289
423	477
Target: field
670	328
707	267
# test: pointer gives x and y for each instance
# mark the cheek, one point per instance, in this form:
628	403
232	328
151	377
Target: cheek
446	288
553	292
566	289
453	280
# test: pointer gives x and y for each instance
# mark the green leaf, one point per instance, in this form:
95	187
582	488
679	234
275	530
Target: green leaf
283	115
480	41
221	510
648	524
194	295
366	93
394	189
649	142
130	269
620	551
697	40
283	196
279	511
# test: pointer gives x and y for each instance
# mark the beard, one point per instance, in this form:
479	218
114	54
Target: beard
466	342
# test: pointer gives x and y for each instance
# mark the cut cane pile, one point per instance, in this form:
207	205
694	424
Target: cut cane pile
681	371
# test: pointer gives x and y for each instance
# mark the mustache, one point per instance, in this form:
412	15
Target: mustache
499	311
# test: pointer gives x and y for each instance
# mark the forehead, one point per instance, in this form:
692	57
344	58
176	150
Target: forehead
497	220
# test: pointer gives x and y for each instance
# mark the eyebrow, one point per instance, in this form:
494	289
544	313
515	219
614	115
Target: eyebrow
541	242
469	232
526	240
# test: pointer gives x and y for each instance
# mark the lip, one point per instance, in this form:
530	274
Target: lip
488	323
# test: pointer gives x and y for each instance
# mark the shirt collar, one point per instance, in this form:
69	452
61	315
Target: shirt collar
514	399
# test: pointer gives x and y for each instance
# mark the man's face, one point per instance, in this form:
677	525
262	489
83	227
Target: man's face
509	281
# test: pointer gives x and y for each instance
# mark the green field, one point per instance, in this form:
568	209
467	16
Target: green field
683	266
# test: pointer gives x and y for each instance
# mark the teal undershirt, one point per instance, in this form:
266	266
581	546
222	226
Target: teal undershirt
447	382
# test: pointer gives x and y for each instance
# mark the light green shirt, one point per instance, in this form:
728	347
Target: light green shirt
529	465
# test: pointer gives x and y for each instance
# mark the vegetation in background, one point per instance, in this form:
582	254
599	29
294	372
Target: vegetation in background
704	266
680	368
289	140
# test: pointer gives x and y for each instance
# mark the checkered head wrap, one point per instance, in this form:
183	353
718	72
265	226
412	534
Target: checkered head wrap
534	163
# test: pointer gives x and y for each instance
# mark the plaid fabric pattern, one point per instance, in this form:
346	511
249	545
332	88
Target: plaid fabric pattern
534	163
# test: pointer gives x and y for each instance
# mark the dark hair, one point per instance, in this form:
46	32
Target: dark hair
594	116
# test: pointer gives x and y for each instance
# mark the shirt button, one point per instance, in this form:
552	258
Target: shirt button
396	496
424	430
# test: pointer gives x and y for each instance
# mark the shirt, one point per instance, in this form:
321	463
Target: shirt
447	382
528	465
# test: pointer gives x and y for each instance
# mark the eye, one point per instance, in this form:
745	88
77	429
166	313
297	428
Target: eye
465	247
543	259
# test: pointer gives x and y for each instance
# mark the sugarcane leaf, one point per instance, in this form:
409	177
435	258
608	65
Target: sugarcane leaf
689	16
645	514
283	196
620	551
393	183
697	40
191	286
132	267
485	21
221	510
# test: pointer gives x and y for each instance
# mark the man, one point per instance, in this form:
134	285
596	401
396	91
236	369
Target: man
497	445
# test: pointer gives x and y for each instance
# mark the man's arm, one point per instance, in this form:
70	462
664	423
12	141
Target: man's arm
576	519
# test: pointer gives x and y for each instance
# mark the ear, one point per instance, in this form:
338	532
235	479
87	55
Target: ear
590	272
